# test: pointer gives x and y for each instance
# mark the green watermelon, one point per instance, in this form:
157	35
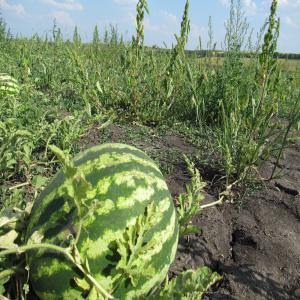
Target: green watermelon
8	85
129	239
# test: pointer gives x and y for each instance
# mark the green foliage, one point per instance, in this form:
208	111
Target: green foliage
138	41
189	204
248	118
177	58
189	285
76	37
3	30
241	98
96	37
15	149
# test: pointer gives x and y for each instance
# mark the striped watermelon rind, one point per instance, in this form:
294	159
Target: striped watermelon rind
135	215
9	85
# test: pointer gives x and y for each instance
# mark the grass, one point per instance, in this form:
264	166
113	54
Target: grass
236	110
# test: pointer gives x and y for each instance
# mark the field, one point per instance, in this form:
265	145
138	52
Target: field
237	120
292	67
287	66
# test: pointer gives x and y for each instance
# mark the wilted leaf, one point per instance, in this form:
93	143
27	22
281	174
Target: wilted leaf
28	208
7	240
58	152
2	289
35	238
82	284
10	215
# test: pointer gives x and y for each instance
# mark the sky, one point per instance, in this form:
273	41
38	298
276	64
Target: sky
27	17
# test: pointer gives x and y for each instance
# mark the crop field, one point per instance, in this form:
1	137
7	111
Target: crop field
219	139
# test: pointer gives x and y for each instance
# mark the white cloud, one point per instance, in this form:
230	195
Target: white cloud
283	2
250	6
225	2
288	11
63	18
16	8
129	7
168	17
151	27
64	5
289	3
125	2
163	22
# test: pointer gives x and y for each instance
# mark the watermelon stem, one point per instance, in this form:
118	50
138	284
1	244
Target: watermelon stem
222	196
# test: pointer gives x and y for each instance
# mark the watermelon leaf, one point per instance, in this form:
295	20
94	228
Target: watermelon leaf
39	181
190	229
7	239
189	285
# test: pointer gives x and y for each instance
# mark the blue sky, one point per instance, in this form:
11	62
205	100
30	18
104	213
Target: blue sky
36	16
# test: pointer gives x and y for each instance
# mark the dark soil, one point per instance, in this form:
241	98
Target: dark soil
254	245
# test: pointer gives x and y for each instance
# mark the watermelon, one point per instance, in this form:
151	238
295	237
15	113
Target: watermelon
8	85
129	238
